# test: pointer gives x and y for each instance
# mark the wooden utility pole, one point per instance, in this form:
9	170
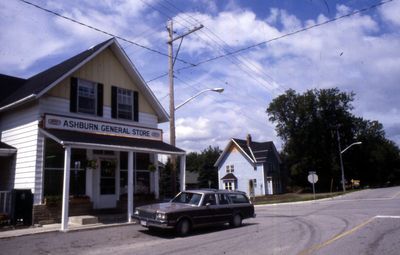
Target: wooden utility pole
171	62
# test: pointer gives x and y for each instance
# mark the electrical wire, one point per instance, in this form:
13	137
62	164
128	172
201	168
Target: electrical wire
102	31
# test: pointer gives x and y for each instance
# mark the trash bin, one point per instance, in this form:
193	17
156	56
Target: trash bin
21	206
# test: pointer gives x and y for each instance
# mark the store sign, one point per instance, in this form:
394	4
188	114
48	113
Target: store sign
99	127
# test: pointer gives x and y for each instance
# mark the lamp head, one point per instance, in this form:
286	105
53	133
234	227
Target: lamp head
219	90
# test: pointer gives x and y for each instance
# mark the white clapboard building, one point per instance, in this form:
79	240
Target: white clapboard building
87	126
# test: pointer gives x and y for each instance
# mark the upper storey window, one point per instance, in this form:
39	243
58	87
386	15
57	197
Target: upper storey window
124	103
86	97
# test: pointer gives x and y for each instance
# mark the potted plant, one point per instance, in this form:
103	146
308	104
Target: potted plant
91	164
151	168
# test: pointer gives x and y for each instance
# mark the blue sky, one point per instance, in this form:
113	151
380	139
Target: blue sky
359	53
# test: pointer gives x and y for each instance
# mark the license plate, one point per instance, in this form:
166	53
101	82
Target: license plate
143	223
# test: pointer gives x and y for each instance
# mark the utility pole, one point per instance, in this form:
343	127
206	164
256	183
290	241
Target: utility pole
171	62
341	161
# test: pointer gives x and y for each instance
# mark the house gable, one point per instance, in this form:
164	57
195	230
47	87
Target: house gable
42	83
106	69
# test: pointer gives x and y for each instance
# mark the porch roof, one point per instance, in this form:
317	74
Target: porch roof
106	142
229	177
6	150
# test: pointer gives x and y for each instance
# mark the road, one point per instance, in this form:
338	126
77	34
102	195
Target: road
364	222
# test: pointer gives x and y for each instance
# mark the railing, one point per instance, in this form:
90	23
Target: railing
5	202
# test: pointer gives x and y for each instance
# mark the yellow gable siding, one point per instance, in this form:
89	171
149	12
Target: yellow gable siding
106	69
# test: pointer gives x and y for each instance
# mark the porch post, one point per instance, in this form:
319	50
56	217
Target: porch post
65	198
130	185
156	178
182	178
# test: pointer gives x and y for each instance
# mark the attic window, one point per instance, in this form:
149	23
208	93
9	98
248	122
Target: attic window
230	169
124	103
86	97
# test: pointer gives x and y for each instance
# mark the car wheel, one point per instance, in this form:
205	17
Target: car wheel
183	227
236	221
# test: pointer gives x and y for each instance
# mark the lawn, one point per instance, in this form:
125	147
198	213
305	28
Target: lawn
292	197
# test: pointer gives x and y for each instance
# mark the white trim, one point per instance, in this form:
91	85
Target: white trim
20	101
7	152
226	151
108	147
71	71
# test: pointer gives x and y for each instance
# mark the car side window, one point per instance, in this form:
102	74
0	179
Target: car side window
223	199
238	198
209	198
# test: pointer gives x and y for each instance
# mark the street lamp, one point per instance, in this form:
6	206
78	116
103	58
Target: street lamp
341	160
219	90
172	128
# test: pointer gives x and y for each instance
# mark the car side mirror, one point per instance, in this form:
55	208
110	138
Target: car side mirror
208	204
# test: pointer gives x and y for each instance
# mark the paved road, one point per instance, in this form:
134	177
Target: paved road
365	222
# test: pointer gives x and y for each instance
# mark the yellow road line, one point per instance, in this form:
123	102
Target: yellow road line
319	246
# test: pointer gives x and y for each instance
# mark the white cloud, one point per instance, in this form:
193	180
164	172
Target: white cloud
390	12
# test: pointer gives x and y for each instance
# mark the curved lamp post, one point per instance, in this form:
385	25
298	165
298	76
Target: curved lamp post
172	129
341	162
219	90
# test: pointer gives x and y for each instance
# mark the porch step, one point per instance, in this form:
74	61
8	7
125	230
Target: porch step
83	220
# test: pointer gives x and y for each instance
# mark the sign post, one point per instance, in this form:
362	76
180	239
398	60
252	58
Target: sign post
312	178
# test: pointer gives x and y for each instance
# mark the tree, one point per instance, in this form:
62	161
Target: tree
203	163
309	125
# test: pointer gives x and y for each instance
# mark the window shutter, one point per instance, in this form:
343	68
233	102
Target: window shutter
135	106
100	99
113	102
73	95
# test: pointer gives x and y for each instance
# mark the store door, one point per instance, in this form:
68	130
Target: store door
106	182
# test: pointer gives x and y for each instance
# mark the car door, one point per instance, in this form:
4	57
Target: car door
223	212
206	212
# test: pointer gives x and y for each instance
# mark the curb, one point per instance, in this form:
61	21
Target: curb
56	228
298	202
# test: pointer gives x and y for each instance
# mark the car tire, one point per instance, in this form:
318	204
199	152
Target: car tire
183	227
236	221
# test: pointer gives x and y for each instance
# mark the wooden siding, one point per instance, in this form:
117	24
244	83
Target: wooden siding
106	69
243	170
20	130
60	106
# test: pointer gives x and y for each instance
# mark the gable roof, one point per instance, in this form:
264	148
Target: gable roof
256	153
37	85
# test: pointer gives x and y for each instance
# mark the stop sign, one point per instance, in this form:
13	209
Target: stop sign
312	177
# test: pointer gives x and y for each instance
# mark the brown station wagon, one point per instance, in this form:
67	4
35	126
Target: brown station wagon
194	208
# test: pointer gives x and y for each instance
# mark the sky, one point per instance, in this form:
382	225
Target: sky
359	53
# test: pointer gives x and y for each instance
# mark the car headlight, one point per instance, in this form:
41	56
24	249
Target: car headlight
161	216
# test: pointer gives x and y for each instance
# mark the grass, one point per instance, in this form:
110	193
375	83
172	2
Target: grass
293	197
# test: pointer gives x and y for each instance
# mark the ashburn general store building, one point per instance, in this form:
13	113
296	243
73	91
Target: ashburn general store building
87	126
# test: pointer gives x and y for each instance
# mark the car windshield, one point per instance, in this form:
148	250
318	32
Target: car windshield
187	198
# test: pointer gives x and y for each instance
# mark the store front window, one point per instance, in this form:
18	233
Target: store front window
54	170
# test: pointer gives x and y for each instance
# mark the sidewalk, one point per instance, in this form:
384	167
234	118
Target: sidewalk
105	221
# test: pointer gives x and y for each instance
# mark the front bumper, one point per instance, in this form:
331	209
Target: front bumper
146	222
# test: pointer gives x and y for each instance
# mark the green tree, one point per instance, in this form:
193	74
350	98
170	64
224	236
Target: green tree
309	125
203	164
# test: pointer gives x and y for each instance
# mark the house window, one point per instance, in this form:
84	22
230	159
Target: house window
228	185
230	169
125	104
86	97
255	183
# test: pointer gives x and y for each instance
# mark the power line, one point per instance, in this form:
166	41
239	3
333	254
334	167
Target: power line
296	32
283	36
102	31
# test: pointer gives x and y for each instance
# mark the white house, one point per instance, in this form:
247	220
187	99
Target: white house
87	126
252	167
